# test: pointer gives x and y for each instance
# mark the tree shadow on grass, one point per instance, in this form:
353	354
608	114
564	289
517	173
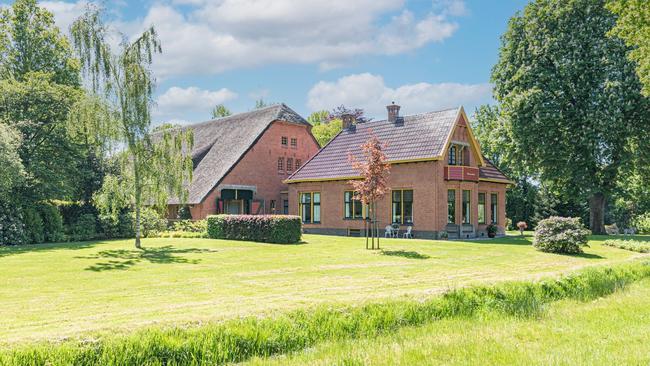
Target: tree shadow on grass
121	259
9	250
405	254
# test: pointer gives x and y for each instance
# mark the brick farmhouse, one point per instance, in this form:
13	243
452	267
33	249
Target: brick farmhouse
439	180
241	161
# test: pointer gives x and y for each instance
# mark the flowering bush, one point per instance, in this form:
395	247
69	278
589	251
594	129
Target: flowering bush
560	235
642	223
522	225
12	229
281	229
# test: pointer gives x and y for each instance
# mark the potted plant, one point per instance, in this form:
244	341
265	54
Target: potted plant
443	235
491	230
522	225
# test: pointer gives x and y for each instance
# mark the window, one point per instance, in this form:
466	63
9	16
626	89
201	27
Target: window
310	207
294	142
402	207
280	164
466	207
298	163
289	164
481	208
354	208
285	207
451	206
494	198
272	206
284	141
452	155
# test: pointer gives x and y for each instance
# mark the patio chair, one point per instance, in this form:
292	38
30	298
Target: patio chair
395	228
389	231
408	233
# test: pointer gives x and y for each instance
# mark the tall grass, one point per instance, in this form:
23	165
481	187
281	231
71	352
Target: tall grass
241	339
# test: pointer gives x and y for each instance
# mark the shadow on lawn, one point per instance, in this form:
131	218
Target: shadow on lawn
120	259
8	250
405	254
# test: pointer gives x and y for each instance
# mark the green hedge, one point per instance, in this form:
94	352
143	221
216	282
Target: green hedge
281	229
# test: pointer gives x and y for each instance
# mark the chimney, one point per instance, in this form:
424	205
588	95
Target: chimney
348	121
393	112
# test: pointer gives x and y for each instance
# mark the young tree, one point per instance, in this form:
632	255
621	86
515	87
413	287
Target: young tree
260	103
12	172
153	167
572	99
633	26
220	110
372	187
318	117
325	132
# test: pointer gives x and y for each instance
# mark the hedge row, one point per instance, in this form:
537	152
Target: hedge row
240	339
281	229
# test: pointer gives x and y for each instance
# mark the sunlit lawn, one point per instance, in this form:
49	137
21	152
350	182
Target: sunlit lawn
62	290
608	331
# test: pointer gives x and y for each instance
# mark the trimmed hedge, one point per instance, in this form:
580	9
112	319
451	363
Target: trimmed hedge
280	229
561	235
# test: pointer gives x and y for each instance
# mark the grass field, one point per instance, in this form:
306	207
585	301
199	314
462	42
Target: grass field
67	290
608	331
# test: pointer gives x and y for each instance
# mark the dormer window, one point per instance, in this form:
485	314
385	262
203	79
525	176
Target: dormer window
458	155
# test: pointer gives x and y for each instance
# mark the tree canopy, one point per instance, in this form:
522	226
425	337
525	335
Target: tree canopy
572	98
220	110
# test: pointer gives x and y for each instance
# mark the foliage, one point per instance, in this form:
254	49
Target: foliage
84	228
220	110
184	213
240	339
151	222
152	167
120	226
577	118
260	103
280	229
633	245
165	126
642	223
183	234
633	26
12	173
53	230
191	226
560	235
12	227
358	113
318	117
33	226
325	132
492	229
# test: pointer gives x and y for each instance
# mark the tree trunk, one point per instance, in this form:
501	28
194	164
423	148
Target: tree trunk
138	198
374	214
597	213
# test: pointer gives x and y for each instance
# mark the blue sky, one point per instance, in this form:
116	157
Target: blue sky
315	54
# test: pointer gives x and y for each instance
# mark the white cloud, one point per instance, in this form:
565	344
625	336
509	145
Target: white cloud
177	103
65	13
219	35
370	92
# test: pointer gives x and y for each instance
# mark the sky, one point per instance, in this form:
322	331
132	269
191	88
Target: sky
424	55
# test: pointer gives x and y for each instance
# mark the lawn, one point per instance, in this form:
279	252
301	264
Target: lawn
608	331
63	290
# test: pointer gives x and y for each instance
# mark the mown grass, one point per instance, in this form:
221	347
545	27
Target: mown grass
239	340
60	291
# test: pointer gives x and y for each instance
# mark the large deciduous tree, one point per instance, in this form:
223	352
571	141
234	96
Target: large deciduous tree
572	98
633	26
153	168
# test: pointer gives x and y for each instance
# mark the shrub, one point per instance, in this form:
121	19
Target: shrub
198	226
33	226
633	245
85	228
184	213
521	226
560	235
52	223
151	222
117	227
12	227
281	229
642	223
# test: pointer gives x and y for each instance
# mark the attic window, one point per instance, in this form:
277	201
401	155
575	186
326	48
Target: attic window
284	141
452	155
294	142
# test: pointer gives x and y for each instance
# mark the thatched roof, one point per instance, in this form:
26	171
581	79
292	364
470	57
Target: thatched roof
219	144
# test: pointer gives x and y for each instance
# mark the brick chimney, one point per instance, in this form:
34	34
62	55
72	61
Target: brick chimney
393	112
349	121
